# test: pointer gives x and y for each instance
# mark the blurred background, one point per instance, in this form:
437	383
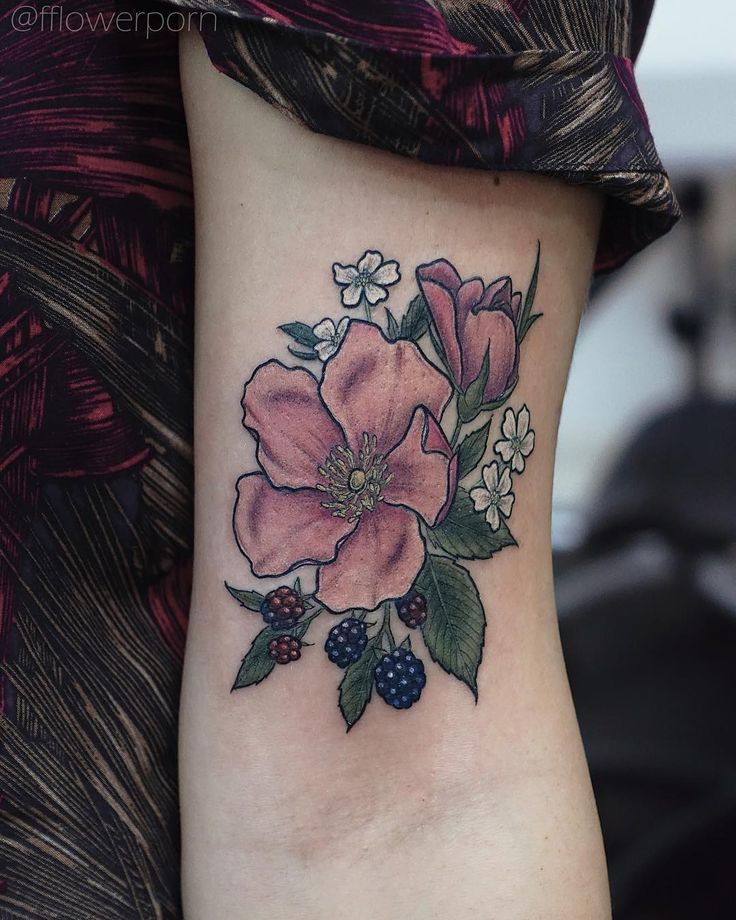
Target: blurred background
644	522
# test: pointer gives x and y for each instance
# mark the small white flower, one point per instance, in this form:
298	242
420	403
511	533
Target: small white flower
369	278
519	441
330	336
496	496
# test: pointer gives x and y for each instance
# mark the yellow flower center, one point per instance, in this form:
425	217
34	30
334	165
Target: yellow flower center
354	483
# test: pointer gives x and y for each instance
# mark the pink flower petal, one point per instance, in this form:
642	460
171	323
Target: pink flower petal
470	293
421	467
380	560
373	386
295	433
440	283
497	296
496	330
280	529
516	305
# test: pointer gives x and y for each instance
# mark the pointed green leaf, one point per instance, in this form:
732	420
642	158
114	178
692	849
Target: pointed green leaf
304	355
356	686
415	322
257	664
471	450
251	600
466	534
301	333
469	404
394	331
454	631
525	321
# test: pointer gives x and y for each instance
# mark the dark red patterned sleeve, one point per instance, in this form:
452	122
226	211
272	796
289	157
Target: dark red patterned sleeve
541	86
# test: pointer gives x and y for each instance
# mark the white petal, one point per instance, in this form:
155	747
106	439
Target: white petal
518	463
481	498
344	274
527	444
374	293
325	330
509	424
352	293
505	449
342	328
492	517
490	476
504	483
505	504
370	261
522	422
325	350
388	273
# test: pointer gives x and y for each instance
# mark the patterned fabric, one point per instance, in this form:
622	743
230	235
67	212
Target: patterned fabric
544	87
96	315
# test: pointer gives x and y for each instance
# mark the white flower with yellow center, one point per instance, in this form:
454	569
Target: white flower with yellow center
494	496
518	440
368	279
330	337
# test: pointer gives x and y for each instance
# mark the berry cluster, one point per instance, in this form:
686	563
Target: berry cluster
412	609
282	607
400	678
285	649
346	642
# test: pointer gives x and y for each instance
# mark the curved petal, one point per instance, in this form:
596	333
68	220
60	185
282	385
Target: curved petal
518	463
374	292
284	412
439	282
522	421
280	529
388	273
344	274
492	517
490	476
325	350
504	449
380	560
516	306
481	498
325	329
509	424
504	482
370	261
505	504
420	466
497	296
527	443
351	294
492	330
468	296
373	386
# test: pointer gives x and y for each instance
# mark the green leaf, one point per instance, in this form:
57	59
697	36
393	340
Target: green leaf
466	534
251	600
470	402
394	332
454	631
471	450
257	664
356	686
304	355
406	644
525	317
415	322
301	333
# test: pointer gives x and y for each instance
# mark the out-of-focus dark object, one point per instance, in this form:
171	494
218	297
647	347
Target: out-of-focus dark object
648	620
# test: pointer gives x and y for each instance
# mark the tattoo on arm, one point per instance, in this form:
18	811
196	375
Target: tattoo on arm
359	472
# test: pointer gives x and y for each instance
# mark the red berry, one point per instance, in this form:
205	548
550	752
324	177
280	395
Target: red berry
412	609
282	607
285	649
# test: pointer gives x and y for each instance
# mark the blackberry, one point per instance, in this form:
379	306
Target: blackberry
282	607
346	642
400	678
412	609
285	649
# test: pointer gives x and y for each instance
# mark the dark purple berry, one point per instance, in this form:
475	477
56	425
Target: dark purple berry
412	609
346	642
285	649
282	607
400	678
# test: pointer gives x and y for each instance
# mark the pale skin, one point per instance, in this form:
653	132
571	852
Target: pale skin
450	809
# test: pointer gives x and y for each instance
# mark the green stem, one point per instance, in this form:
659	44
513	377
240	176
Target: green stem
456	432
386	627
367	306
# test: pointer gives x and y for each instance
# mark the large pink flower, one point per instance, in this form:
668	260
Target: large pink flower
474	320
348	466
